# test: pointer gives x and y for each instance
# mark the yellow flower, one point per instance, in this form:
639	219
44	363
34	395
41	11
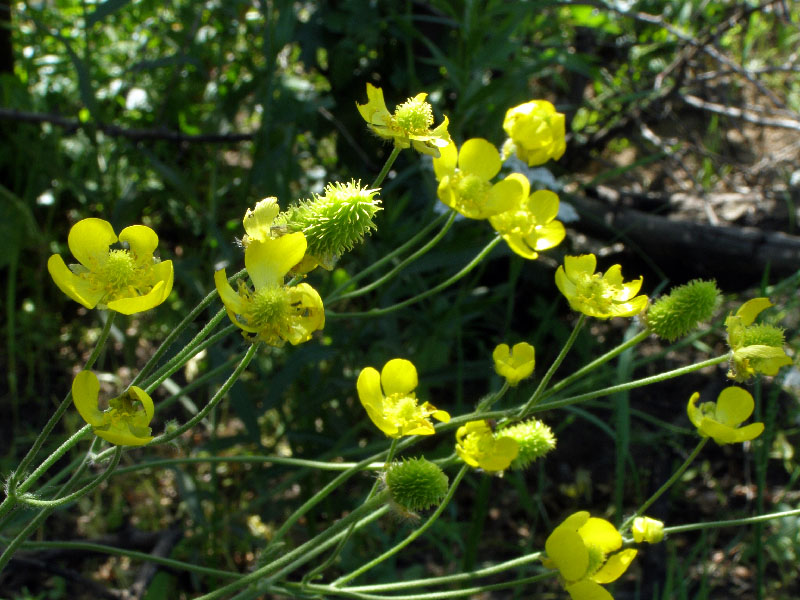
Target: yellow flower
126	421
579	548
391	403
647	530
515	364
477	446
126	281
536	132
273	312
410	125
756	348
529	225
720	421
595	295
464	180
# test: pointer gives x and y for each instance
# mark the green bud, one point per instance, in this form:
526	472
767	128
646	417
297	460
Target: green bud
335	221
416	484
534	439
761	334
679	312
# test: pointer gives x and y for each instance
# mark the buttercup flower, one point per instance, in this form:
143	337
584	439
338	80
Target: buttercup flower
756	348
595	295
126	281
464	180
515	364
410	125
647	530
535	131
126	421
529	225
478	447
720	421
273	312
579	548
391	403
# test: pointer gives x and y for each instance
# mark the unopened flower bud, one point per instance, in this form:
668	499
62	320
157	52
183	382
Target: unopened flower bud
679	312
416	484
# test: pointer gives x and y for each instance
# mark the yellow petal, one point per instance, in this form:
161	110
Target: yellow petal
77	288
142	242
543	204
136	304
615	566
258	221
734	405
751	309
548	236
564	284
724	434
479	157
122	436
600	534
575	266
85	390
441	415
588	590
520	246
229	297
503	195
566	549
695	415
268	261
311	313
445	165
368	386
398	376
89	240
147	403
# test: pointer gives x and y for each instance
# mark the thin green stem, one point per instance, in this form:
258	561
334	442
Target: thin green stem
551	371
62	408
487	402
81	492
634	384
639	337
305	552
667	484
133	554
403	264
732	522
166	437
54	456
386	166
414	535
434	290
422	234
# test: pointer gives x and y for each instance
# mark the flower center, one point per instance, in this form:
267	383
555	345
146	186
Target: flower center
592	290
413	116
269	307
472	190
401	408
120	276
124	408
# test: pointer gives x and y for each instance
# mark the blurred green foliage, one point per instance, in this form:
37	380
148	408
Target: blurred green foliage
181	115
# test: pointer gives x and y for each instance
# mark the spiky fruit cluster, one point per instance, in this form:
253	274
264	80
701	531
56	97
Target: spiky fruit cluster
679	312
416	484
535	439
335	221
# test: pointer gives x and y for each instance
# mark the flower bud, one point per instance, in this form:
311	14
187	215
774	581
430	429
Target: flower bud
536	132
679	312
647	530
534	439
335	221
416	484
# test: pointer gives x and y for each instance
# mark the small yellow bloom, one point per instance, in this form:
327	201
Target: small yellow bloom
536	132
410	125
391	403
595	295
529	226
579	548
464	180
647	530
720	421
515	364
126	421
757	348
126	281
273	312
478	447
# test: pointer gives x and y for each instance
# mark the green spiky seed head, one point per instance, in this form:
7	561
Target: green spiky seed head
416	484
679	312
335	221
534	438
762	334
